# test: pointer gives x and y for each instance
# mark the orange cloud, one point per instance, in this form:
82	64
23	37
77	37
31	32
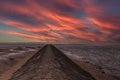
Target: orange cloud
103	24
76	20
32	37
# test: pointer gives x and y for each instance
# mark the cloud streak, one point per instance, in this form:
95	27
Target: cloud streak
64	21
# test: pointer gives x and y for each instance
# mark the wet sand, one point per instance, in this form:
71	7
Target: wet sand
7	74
97	74
50	64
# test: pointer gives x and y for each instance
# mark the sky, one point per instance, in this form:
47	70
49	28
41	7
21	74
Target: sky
60	21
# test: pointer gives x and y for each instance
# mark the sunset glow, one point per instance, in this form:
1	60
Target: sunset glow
61	21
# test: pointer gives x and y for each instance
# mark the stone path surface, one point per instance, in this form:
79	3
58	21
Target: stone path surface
50	64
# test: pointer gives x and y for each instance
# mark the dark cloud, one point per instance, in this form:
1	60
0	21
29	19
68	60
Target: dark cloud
14	1
20	17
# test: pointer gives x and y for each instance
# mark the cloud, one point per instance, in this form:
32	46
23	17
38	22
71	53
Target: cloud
63	20
105	16
34	37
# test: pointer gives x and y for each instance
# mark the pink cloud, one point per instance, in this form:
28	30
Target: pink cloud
55	25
